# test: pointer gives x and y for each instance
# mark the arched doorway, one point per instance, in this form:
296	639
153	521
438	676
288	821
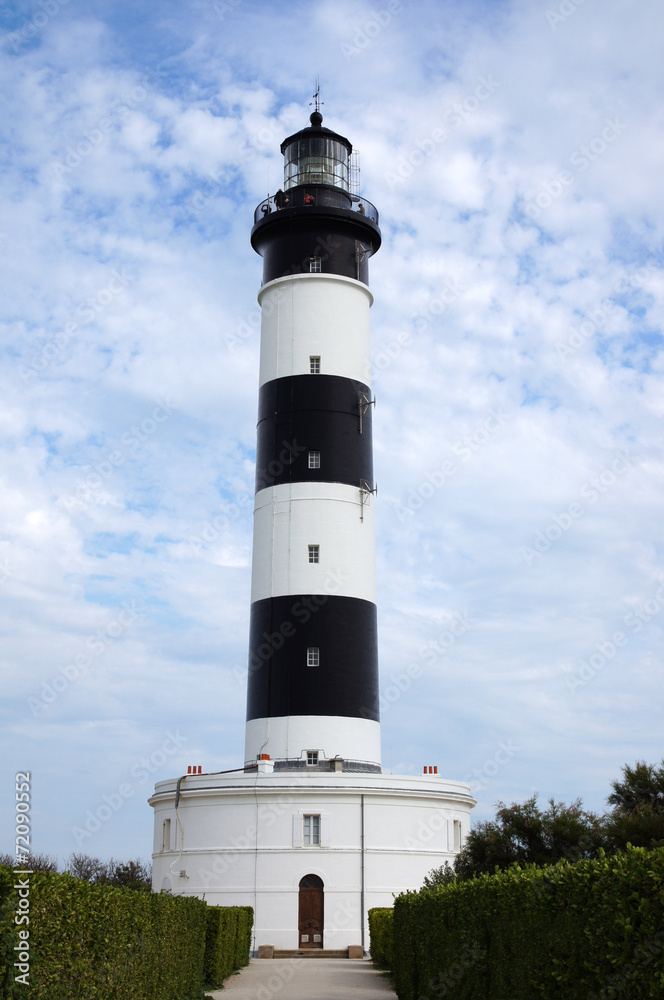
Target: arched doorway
310	922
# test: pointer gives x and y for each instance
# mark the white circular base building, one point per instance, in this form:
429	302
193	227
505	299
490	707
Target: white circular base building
310	852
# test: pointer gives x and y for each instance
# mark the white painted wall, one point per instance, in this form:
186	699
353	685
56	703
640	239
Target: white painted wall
332	735
315	314
235	839
289	518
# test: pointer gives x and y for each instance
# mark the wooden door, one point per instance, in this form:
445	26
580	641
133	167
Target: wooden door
310	921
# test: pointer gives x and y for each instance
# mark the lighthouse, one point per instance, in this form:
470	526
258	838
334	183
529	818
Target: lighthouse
313	661
307	829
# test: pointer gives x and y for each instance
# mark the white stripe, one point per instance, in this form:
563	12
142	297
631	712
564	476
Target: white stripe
289	737
289	518
320	315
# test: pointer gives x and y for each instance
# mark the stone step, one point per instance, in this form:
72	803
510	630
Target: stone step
313	953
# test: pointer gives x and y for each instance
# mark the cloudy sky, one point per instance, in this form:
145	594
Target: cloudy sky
514	152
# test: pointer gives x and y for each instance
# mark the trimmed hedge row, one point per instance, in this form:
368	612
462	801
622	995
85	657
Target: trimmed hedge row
98	942
380	935
227	941
7	936
589	931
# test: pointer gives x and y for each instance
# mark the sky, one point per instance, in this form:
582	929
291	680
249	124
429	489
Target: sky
514	152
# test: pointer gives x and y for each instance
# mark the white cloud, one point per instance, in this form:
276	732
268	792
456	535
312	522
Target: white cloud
191	110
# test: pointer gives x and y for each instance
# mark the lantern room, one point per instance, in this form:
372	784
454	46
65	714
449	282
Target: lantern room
316	155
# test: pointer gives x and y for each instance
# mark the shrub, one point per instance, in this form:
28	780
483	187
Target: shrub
587	931
380	935
100	941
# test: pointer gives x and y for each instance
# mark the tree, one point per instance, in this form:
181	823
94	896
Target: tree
31	862
132	875
85	867
642	784
523	834
439	876
638	814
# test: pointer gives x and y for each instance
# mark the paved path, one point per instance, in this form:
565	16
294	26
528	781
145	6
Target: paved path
307	979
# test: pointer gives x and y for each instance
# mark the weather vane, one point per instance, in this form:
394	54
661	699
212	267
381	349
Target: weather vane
317	101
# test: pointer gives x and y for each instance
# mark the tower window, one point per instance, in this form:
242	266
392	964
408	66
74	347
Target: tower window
166	836
314	265
311	832
314	460
312	757
313	656
314	365
457	835
314	553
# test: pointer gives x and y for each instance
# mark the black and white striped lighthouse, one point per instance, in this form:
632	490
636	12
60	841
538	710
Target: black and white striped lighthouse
313	671
310	832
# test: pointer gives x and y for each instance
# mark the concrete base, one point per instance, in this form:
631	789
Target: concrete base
238	839
312	953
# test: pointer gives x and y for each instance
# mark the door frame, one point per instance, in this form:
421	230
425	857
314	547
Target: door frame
314	892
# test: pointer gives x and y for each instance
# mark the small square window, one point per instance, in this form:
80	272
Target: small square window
314	265
314	553
312	757
311	831
314	365
314	460
313	656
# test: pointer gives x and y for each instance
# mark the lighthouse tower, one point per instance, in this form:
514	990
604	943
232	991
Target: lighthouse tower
313	665
308	830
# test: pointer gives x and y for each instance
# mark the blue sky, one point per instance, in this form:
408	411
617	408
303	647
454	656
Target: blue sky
514	153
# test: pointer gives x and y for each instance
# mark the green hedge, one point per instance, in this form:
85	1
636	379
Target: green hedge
589	931
98	942
227	941
380	935
7	936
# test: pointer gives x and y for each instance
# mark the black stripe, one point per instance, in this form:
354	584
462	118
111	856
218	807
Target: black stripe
280	682
303	413
343	240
